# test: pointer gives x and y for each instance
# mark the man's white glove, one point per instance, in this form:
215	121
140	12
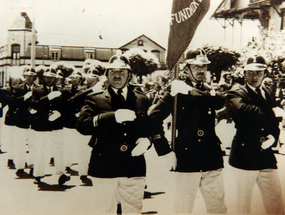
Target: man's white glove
55	115
279	112
28	95
267	143
33	111
123	115
142	145
170	160
99	85
0	105
53	95
178	86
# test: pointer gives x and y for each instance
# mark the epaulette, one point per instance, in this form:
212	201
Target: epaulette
38	86
95	93
139	92
81	88
207	86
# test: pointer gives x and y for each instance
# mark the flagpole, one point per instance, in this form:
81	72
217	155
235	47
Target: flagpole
182	29
174	114
33	47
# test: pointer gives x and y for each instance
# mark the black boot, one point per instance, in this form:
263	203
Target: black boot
63	178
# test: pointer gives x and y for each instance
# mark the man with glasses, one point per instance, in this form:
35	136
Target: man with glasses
255	115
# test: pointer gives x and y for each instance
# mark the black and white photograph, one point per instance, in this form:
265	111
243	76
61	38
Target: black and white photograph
168	107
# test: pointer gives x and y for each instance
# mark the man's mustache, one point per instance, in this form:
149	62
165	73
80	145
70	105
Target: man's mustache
200	73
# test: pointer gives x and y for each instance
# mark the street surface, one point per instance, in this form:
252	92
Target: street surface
22	197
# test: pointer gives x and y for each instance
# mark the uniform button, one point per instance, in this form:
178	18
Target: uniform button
186	148
200	133
262	139
199	140
242	144
124	123
124	147
262	129
183	108
125	134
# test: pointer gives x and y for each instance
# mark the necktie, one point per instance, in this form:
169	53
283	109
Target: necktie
198	85
259	93
120	96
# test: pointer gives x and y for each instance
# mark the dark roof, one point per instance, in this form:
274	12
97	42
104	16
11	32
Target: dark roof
22	22
234	8
71	52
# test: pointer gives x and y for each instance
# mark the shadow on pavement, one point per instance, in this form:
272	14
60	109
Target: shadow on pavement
119	211
54	187
148	195
149	212
25	176
72	172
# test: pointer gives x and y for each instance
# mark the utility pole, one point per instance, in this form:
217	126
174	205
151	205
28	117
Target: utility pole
33	47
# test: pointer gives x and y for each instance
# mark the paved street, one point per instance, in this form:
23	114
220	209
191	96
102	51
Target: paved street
21	196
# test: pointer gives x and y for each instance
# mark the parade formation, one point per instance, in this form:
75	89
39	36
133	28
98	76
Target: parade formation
54	117
100	120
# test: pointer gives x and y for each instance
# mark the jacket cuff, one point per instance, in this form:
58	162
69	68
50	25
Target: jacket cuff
161	145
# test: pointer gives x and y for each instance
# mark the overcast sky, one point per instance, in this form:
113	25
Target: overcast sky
80	22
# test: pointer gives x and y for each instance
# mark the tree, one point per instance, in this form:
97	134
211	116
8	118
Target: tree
221	59
142	63
65	68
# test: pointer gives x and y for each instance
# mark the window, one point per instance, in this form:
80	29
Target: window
15	51
283	20
55	54
140	43
89	55
156	53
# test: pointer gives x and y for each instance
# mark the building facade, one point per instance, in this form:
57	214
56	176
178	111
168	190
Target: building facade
270	14
17	51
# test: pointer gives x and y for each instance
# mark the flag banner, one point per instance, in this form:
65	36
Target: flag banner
186	15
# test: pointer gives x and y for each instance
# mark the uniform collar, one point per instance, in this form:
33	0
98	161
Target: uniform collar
124	93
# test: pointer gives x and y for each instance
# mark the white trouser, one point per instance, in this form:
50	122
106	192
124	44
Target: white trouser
211	185
84	155
8	140
39	154
1	126
268	182
76	149
20	146
57	151
108	192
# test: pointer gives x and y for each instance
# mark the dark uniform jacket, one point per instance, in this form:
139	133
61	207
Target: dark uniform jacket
197	147
3	100
254	120
72	106
10	118
44	108
23	115
113	142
